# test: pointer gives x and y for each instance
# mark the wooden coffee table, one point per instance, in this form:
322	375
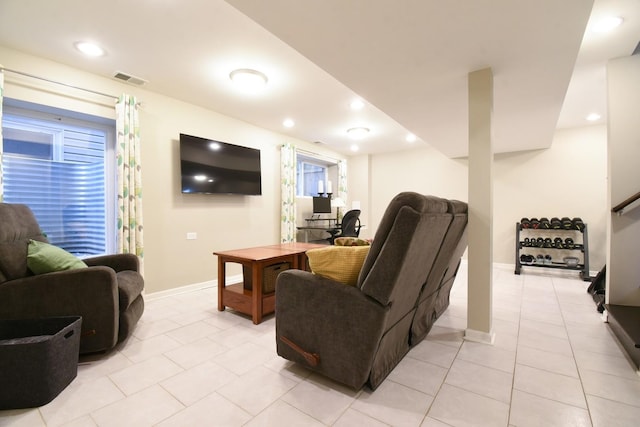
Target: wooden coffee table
255	302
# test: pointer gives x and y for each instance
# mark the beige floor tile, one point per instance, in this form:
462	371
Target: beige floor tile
488	355
612	387
210	411
281	413
353	418
320	398
612	365
145	408
461	408
256	390
547	361
21	418
394	404
428	381
144	374
148	348
195	383
479	379
196	352
607	413
528	410
549	385
435	353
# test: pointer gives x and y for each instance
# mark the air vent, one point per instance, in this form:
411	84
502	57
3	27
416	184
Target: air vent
129	78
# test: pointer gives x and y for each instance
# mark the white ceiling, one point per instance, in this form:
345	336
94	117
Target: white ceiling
408	60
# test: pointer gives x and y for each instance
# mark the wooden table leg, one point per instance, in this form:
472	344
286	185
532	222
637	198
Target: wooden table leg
221	280
256	292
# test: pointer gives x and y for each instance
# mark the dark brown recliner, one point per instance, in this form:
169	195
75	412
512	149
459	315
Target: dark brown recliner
357	335
108	294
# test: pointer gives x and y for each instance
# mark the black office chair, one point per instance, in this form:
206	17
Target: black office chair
350	226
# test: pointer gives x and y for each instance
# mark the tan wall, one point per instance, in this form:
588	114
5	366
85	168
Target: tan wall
568	179
220	221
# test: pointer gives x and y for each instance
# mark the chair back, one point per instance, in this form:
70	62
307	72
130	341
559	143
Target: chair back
17	226
349	223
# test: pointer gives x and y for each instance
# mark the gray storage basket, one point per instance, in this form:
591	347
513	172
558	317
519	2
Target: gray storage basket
38	359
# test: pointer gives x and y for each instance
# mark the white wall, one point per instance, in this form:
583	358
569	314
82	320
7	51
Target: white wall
623	265
221	222
568	179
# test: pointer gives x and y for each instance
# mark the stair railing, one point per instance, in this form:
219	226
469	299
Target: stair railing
620	207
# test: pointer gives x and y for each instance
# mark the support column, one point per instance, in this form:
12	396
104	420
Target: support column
480	231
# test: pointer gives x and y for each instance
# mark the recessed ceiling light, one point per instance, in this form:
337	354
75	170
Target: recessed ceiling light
355	148
288	123
411	138
606	24
358	132
593	117
89	49
248	79
357	104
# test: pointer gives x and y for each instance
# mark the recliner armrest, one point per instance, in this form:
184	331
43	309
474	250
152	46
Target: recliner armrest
118	262
88	292
336	322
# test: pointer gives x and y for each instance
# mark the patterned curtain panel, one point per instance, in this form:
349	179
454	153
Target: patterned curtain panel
130	236
342	185
288	193
1	144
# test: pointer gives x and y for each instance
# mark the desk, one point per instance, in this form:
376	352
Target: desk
306	229
253	302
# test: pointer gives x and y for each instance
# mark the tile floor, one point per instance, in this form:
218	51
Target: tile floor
554	363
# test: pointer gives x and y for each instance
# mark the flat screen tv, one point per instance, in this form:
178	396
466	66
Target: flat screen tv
216	167
321	205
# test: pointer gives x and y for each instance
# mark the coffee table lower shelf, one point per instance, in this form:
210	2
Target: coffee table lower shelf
240	299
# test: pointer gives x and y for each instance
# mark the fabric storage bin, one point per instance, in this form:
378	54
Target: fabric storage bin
269	275
38	359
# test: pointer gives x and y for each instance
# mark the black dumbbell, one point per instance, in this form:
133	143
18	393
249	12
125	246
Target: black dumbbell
578	224
567	224
544	223
535	223
547	243
556	224
557	243
568	243
524	223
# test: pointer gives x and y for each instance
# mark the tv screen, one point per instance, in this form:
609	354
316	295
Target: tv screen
216	167
321	205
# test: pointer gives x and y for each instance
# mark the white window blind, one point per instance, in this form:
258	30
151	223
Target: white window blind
59	171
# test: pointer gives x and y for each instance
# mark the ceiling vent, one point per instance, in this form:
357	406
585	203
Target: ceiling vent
129	78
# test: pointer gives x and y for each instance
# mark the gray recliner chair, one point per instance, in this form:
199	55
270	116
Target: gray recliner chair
356	335
108	294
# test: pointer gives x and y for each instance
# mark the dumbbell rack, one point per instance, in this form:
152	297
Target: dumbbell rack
581	245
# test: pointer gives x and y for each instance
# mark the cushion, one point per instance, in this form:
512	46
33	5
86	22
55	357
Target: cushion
351	241
45	258
339	263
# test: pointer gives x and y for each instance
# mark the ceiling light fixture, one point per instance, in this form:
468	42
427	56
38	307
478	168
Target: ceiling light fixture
89	49
358	132
606	24
411	138
288	123
357	104
248	79
354	148
593	117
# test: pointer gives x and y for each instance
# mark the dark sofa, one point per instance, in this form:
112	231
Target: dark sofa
356	335
107	294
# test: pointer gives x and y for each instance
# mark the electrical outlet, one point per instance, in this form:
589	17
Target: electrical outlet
192	236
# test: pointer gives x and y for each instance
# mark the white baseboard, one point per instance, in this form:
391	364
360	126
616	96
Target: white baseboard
479	336
190	288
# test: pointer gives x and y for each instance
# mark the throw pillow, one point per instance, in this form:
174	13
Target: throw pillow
351	241
45	258
339	263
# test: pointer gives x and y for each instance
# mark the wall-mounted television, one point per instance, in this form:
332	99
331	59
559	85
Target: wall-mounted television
215	167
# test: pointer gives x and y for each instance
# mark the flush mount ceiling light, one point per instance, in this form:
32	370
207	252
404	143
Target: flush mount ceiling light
593	117
411	138
354	148
248	79
358	132
288	123
89	49
357	104
606	24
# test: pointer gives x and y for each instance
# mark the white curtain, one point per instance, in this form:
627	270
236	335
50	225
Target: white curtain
288	193
130	229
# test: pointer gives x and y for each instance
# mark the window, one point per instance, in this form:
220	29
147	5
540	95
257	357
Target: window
61	167
310	171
